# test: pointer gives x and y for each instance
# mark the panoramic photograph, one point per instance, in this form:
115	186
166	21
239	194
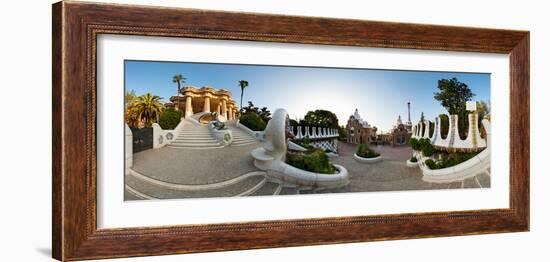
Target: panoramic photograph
202	130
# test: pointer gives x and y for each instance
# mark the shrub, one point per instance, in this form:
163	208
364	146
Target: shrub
413	159
428	150
252	121
431	164
425	145
446	161
414	144
313	160
169	119
364	151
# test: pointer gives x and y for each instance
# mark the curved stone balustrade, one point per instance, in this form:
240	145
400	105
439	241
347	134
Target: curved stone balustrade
479	164
452	141
271	157
314	132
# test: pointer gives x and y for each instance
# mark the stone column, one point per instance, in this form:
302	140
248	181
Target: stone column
206	107
224	109
219	109
188	107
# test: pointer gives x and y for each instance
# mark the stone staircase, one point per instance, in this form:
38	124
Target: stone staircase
195	136
240	137
141	187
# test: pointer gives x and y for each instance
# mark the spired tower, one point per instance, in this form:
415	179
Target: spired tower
408	124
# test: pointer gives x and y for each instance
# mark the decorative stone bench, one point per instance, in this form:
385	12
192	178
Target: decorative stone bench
262	160
367	160
270	158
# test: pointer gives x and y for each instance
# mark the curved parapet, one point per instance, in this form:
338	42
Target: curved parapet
275	135
437	131
426	129
367	160
480	164
271	156
302	178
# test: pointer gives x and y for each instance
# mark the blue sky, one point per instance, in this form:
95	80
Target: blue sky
380	95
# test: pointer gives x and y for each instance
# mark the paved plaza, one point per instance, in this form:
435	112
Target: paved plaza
169	173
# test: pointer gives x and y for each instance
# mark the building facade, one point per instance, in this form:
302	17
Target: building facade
358	130
401	133
193	100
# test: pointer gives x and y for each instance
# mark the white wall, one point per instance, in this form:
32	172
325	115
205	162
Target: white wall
25	191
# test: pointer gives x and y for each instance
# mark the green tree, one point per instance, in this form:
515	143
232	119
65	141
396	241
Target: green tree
243	84
169	119
179	79
145	109
453	96
129	97
263	113
320	118
342	133
374	130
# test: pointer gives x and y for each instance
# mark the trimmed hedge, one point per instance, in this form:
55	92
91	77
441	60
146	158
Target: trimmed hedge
423	145
364	151
253	121
447	161
169	119
413	159
312	160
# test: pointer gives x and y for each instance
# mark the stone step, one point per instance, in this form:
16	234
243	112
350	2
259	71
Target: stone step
195	136
193	141
247	186
268	189
243	143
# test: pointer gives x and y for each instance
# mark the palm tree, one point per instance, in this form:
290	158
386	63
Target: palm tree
178	79
145	110
243	84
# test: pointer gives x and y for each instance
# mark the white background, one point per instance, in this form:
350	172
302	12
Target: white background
25	192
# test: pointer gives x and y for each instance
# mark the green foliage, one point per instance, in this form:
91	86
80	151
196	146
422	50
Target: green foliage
342	133
422	144
312	160
444	126
431	164
413	159
414	144
264	113
253	121
243	84
320	118
144	110
169	119
453	95
449	161
428	149
364	151
129	97
179	79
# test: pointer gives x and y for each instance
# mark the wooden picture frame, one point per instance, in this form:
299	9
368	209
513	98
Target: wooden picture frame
76	26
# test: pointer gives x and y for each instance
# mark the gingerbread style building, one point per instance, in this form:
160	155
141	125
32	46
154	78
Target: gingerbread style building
359	130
